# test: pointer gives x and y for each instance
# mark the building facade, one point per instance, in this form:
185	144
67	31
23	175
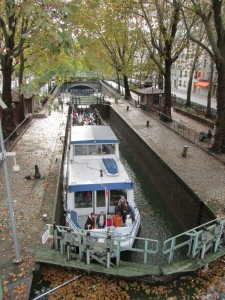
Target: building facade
204	73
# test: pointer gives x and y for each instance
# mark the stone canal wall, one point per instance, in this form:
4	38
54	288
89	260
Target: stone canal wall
184	204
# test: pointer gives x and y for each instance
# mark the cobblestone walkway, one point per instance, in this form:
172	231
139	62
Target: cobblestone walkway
41	144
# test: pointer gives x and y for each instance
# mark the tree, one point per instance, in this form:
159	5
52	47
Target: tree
20	21
211	14
164	38
118	35
8	23
197	51
209	96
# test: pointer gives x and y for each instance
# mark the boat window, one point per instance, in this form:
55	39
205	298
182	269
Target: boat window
80	150
83	199
115	196
108	149
100	199
94	149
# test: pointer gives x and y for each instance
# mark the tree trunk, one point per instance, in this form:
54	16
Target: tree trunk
126	87
167	90
8	124
21	97
208	109
118	81
160	81
219	137
188	102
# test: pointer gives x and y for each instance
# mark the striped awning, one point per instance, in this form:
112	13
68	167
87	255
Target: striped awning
202	84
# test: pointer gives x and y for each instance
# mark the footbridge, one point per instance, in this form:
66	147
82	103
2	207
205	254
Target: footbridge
82	249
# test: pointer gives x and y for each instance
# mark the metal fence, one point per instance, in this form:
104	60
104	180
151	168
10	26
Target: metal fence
15	135
190	134
197	108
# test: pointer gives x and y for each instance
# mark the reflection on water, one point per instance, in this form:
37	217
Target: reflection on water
156	221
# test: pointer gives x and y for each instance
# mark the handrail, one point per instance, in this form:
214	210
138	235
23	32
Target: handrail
14	136
200	239
196	242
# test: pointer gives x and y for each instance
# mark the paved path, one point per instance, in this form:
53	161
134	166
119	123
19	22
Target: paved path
196	98
202	172
41	145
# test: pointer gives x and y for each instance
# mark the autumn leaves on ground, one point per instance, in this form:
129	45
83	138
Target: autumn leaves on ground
204	284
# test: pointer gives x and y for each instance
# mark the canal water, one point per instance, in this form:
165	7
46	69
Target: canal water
157	222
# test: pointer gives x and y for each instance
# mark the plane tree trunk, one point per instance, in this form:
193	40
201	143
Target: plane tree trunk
8	124
219	138
126	87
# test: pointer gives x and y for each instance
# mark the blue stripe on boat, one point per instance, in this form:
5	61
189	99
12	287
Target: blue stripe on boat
100	187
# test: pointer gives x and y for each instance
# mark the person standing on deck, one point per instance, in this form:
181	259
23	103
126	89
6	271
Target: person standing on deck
128	221
117	220
90	223
100	221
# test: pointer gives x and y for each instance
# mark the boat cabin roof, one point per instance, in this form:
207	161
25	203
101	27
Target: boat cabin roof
84	175
93	134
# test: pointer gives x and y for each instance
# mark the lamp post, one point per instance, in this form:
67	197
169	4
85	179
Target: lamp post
3	155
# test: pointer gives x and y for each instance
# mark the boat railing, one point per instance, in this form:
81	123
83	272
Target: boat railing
196	242
90	241
103	245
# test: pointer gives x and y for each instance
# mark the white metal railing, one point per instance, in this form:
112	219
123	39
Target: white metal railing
198	241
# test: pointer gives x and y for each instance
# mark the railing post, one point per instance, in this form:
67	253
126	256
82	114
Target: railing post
87	256
56	246
108	259
171	250
195	246
118	252
218	232
80	246
146	253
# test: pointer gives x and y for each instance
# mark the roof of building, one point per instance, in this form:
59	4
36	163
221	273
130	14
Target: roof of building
149	90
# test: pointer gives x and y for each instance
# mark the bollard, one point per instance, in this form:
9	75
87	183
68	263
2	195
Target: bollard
184	154
127	108
147	124
37	174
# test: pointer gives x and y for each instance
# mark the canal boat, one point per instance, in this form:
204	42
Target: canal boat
97	182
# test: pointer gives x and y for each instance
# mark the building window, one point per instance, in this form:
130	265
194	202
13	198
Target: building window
185	74
180	73
184	84
180	83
